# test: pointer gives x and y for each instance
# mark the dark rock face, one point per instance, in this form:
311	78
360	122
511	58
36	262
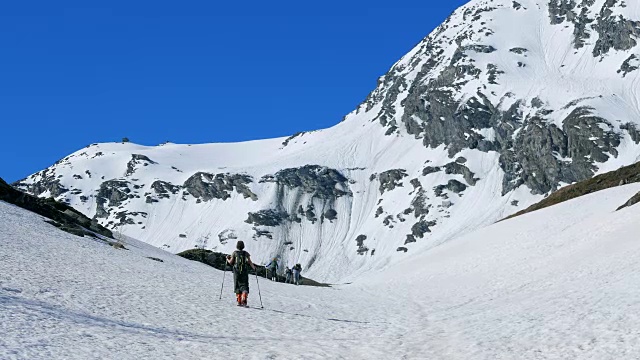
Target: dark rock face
112	193
615	32
422	227
430	170
391	179
48	182
631	64
331	214
633	131
457	168
453	185
410	239
402	248
362	249
419	204
226	235
634	200
206	187
61	215
268	217
163	189
137	159
322	182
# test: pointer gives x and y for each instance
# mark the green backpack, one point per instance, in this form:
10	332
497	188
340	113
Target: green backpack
240	263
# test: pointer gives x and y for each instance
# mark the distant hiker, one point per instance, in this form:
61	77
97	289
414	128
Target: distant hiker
288	274
240	260
273	268
296	274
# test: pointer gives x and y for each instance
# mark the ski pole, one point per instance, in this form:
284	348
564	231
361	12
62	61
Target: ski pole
223	275
259	294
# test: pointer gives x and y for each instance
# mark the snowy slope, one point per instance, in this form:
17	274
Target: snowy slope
557	283
503	103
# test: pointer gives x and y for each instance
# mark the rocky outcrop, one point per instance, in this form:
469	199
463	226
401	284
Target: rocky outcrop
362	249
45	182
457	168
268	217
422	227
631	64
391	179
111	194
137	160
163	189
206	187
61	215
320	181
634	200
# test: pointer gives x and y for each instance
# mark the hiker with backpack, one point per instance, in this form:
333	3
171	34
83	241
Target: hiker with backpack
273	268
241	260
296	274
288	276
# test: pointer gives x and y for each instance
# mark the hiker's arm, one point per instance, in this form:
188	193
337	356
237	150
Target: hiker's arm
230	259
251	263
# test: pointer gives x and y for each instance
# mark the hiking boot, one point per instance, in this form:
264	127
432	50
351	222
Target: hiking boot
239	299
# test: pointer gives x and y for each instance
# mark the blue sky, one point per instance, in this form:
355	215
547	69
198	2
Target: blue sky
74	73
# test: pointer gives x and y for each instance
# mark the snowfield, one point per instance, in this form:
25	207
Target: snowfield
560	283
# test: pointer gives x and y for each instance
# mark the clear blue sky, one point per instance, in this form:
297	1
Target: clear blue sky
74	73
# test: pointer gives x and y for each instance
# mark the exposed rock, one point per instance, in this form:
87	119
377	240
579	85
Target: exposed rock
457	168
391	179
615	32
631	64
61	215
430	170
633	131
137	159
402	248
519	50
362	249
419	204
331	214
268	217
207	186
112	193
634	200
225	235
410	239
287	140
453	185
163	189
321	181
421	227
46	182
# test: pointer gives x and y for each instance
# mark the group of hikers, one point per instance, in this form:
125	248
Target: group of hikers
240	261
292	274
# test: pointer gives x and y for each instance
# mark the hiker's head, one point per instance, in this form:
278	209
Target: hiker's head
274	259
240	245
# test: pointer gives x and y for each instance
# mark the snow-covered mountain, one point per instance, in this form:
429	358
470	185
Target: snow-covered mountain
503	103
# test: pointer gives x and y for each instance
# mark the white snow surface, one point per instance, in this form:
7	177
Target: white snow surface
559	283
556	75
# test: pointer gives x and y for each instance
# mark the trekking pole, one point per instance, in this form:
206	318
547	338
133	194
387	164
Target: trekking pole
223	275
260	295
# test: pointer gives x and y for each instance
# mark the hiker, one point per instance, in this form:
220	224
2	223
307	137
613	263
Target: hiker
273	268
288	276
241	260
296	274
